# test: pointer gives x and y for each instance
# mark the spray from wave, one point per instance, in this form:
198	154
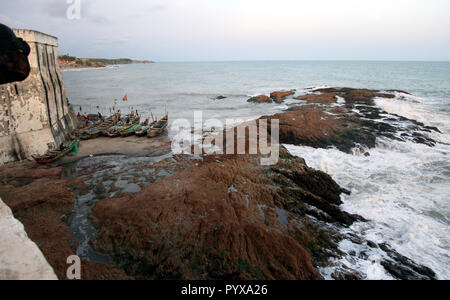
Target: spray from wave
402	187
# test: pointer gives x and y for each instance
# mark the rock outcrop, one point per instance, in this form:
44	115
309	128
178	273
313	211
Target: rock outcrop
355	124
43	202
319	98
280	96
217	217
223	218
260	99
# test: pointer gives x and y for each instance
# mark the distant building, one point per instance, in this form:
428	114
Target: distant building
35	114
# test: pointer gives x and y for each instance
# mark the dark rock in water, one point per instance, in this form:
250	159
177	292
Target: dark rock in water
221	97
354	239
432	128
398	91
404	268
356	96
279	97
367	154
316	189
316	182
99	189
346	275
260	99
346	192
372	244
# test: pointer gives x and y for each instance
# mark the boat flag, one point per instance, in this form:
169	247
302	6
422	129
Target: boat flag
125	98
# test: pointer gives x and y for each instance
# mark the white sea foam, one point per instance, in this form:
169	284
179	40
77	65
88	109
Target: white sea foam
340	100
87	69
318	87
404	188
419	112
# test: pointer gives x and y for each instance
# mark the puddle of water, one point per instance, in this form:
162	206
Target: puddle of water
105	173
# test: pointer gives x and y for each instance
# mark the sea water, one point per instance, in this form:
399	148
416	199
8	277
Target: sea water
403	188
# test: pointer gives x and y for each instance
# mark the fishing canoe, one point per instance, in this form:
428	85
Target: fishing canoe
143	131
159	127
130	131
96	131
113	131
51	156
90	134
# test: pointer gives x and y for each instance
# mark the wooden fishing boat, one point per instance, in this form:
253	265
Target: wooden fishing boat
144	129
95	131
113	131
90	134
56	154
105	125
130	131
129	124
159	127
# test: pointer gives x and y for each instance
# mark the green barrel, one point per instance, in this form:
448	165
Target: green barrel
75	149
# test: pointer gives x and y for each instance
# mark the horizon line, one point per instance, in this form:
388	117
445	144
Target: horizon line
298	60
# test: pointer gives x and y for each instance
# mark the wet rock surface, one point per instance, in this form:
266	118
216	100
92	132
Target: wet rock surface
319	98
221	218
404	268
260	99
280	96
44	206
355	123
165	216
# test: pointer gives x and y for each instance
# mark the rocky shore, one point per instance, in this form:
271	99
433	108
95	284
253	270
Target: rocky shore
165	216
67	62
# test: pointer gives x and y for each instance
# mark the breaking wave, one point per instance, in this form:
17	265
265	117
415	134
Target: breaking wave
403	188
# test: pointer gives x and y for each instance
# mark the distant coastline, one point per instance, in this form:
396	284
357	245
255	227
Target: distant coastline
67	62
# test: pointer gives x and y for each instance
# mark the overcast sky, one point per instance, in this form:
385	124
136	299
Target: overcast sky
208	30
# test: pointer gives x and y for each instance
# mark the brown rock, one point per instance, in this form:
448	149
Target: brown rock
97	271
39	207
319	98
279	97
43	173
356	96
310	125
217	220
43	206
260	99
28	171
356	124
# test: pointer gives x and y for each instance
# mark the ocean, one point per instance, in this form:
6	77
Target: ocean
403	188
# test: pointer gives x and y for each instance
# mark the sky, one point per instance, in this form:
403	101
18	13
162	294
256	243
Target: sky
234	30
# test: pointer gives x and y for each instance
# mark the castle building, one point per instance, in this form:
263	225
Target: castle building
34	114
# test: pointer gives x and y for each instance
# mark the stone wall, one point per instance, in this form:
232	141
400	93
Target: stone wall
34	114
